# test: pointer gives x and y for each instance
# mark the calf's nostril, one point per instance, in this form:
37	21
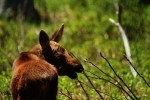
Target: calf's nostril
79	70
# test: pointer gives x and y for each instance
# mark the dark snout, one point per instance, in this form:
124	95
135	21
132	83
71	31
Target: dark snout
73	75
79	68
73	69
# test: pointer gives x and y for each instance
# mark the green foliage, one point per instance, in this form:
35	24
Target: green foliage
5	93
87	33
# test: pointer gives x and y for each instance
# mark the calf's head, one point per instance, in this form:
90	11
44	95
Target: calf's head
55	54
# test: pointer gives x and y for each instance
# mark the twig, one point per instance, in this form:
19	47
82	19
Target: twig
69	94
97	77
65	95
113	84
93	85
120	87
137	72
88	98
110	77
97	90
119	76
101	70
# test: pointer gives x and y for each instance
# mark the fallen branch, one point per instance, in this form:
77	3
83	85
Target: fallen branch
126	44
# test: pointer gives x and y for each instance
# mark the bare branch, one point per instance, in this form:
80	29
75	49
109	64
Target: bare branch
88	98
137	72
98	90
109	77
119	77
65	94
69	94
93	85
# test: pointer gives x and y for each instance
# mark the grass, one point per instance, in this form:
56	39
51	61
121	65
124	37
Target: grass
87	33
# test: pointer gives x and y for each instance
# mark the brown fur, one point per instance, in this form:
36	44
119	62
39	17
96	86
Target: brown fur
33	78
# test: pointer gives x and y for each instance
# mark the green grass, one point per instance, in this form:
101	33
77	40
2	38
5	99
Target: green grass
87	33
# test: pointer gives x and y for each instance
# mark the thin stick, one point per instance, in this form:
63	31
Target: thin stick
137	72
96	89
64	94
119	76
111	83
120	87
97	77
88	98
69	94
93	86
110	77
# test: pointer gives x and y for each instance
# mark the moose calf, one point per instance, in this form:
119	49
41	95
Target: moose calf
35	73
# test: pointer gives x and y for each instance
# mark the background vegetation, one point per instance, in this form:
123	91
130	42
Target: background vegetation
87	33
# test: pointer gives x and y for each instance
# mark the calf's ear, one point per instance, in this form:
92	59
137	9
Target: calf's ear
57	35
46	48
43	39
